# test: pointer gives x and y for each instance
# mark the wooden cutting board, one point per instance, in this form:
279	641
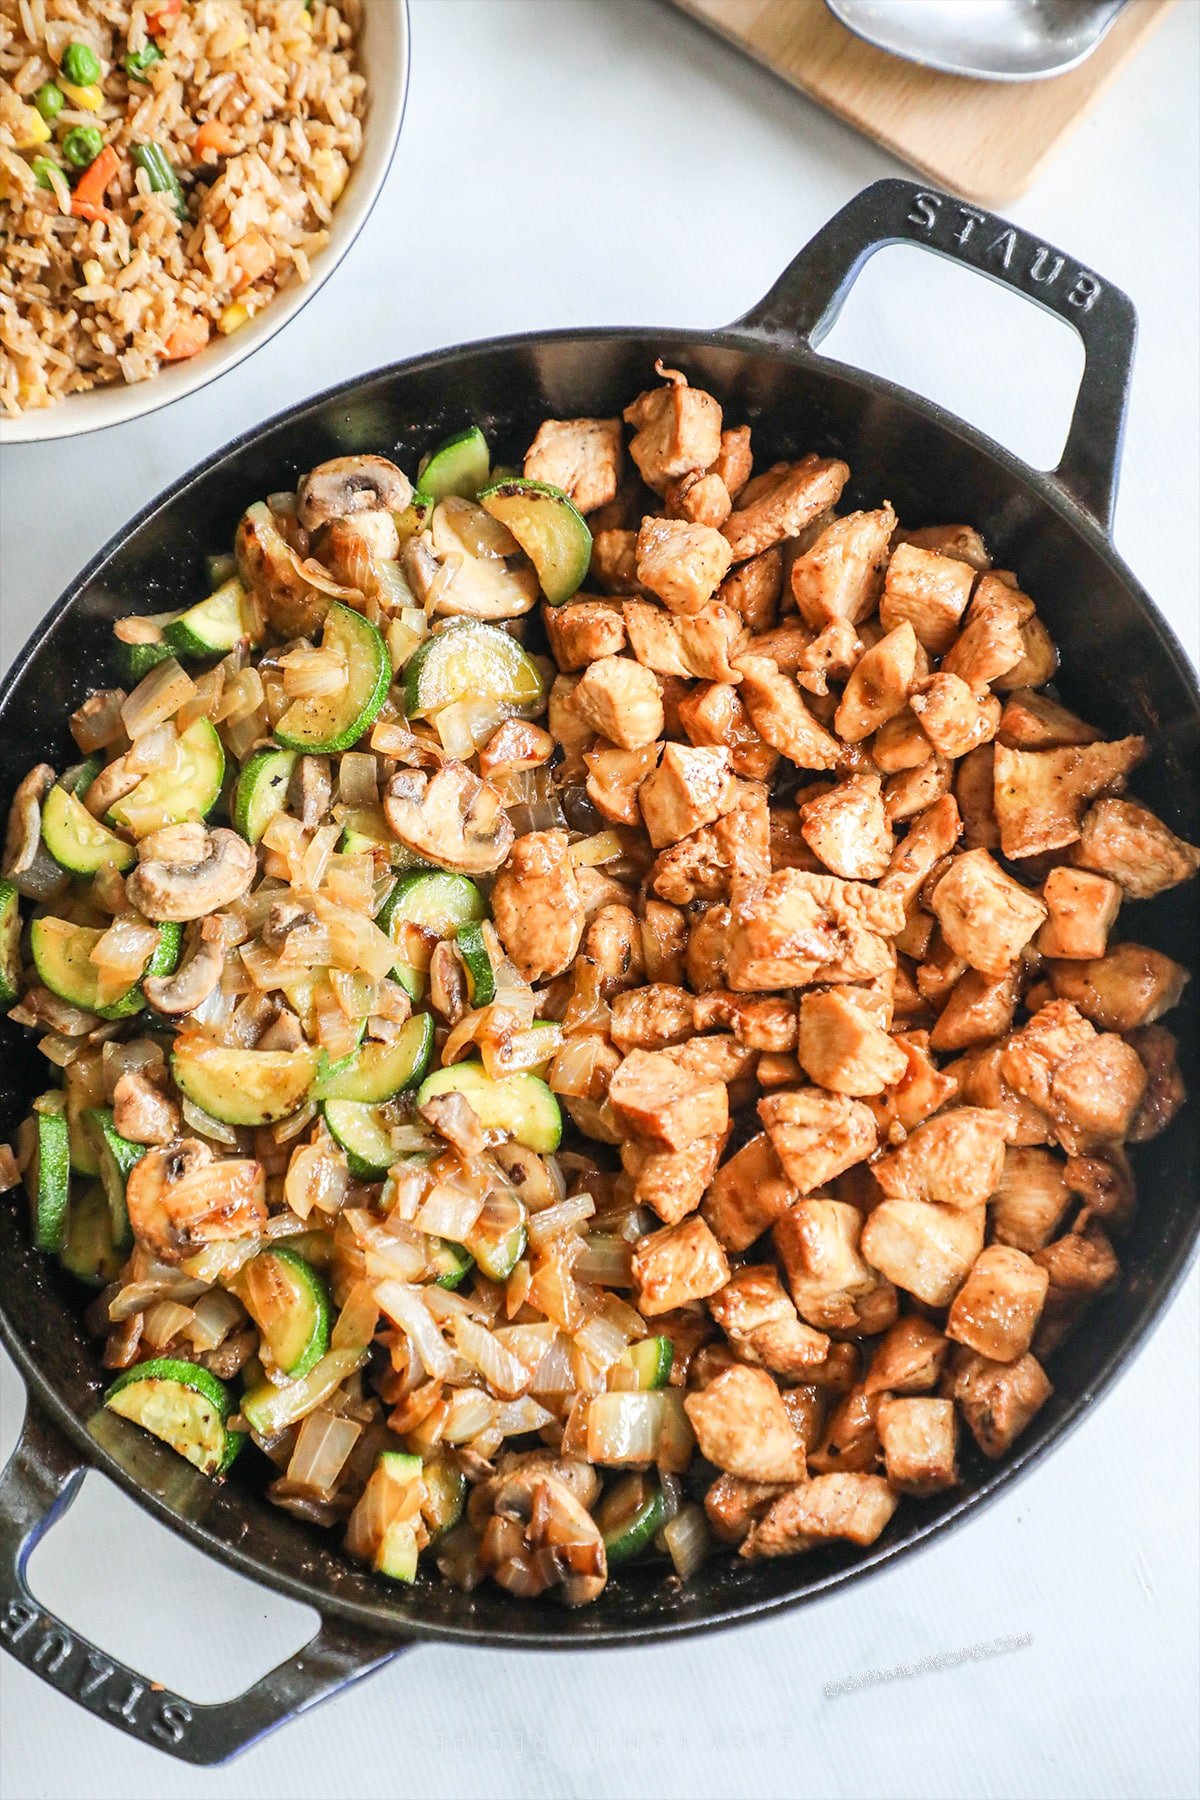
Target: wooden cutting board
984	139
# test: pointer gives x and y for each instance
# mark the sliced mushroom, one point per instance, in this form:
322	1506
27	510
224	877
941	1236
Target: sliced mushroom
284	917
114	781
452	818
448	982
194	979
27	864
270	568
141	1113
311	790
180	1198
457	570
540	1535
351	484
285	1032
454	1118
38	1006
187	872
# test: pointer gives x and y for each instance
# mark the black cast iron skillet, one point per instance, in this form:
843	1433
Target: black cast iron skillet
1121	666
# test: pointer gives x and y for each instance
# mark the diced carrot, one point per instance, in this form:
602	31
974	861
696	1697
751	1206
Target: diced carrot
161	17
253	255
87	202
212	140
187	338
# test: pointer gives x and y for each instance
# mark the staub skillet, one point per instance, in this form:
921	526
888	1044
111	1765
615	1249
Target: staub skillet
1121	666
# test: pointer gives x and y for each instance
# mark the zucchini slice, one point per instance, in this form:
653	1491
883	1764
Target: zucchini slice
452	1261
261	791
378	1071
521	1106
115	1156
188	787
459	465
498	1237
423	907
650	1359
10	944
48	1171
396	1553
242	1087
550	530
363	1133
88	1250
469	660
327	723
445	1495
270	1409
366	834
183	1405
136	660
62	956
79	778
289	1303
629	1515
481	977
212	627
76	840
84	1081
412	521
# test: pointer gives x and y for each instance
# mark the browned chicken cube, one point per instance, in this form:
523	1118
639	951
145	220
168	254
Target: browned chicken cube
614	777
928	839
1165	1091
1032	721
1130	986
705	864
735	459
817	1135
928	591
717	1056
842	1048
997	1308
683	564
792	498
849	1440
922	1247
794	928
1131	845
712	713
622	701
840	576
768	1022
990	643
974	790
913	791
681	1263
817	1241
1028	1205
848	828
761	1323
1104	1183
614	561
1088	1083
732	1505
1040	661
742	1425
583	631
956	1159
707	953
986	916
676	428
908	1359
899	743
979	1081
1040	795
748	1194
672	1182
918	1437
918	1092
701	498
953	718
961	541
788	645
1083	909
613	942
753	589
1081	1266
691	787
650	1018
980	1008
780	716
583	457
997	1399
536	905
668	1105
691	648
854	1507
879	686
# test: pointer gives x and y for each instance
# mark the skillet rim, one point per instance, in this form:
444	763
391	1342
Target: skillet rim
1042	484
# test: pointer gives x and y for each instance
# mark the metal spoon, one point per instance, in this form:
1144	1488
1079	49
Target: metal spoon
990	40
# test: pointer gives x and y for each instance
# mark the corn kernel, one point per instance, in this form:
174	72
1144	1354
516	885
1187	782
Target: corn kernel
233	318
33	129
93	272
91	99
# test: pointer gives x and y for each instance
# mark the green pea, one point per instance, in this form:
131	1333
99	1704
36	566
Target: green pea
82	146
43	170
49	100
138	61
80	65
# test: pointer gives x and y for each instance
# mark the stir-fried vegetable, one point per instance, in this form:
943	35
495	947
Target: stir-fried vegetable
153	161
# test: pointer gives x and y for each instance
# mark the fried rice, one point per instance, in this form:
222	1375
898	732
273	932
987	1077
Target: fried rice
168	200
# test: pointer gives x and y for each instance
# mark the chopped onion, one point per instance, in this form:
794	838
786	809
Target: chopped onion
312	674
532	801
120	955
358	779
471	1411
515	1417
390	1258
213	1317
579	1067
97	725
165	1320
591	852
568	1215
554	1373
317	1176
688	1539
602	1340
324	1442
156	698
505	1375
466	725
449	1211
358	1320
623	1429
606	1261
155	750
406	1308
241	698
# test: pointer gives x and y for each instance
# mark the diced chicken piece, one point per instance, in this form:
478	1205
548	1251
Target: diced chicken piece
1040	795
997	1308
1088	1083
583	457
670	1106
712	713
928	839
990	643
922	1247
788	847
683	564
779	715
915	939
908	1359
614	561
672	1182
761	1323
1083	909
742	1425
841	575
848	829
664	941
849	1440
900	744
677	428
1031	1200
614	777
747	1195
841	1047
1040	661
650	1018
682	1263
735	459
816	1135
691	787
918	1092
913	791
701	498
692	648
692	1333
732	1505
583	631
955	1159
569	729
1081	1266
765	1023
622	701
817	1241
851	1506
927	590
1032	721
613	943
1104	1183
880	685
974	790
979	1081
792	497
979	1009
939	971
919	1440
753	589
536	905
987	917
960	541
831	656
998	1400
598	890
1165	1091
1130	986
1130	844
716	1056
793	928
788	645
705	864
953	718
707	951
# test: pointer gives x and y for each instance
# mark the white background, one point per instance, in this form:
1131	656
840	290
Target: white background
605	161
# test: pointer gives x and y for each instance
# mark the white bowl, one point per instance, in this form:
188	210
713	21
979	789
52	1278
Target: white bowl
383	57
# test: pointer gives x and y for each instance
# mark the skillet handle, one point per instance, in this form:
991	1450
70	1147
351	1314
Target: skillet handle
810	293
38	1485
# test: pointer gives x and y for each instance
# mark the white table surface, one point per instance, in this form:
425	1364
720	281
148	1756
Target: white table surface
673	181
